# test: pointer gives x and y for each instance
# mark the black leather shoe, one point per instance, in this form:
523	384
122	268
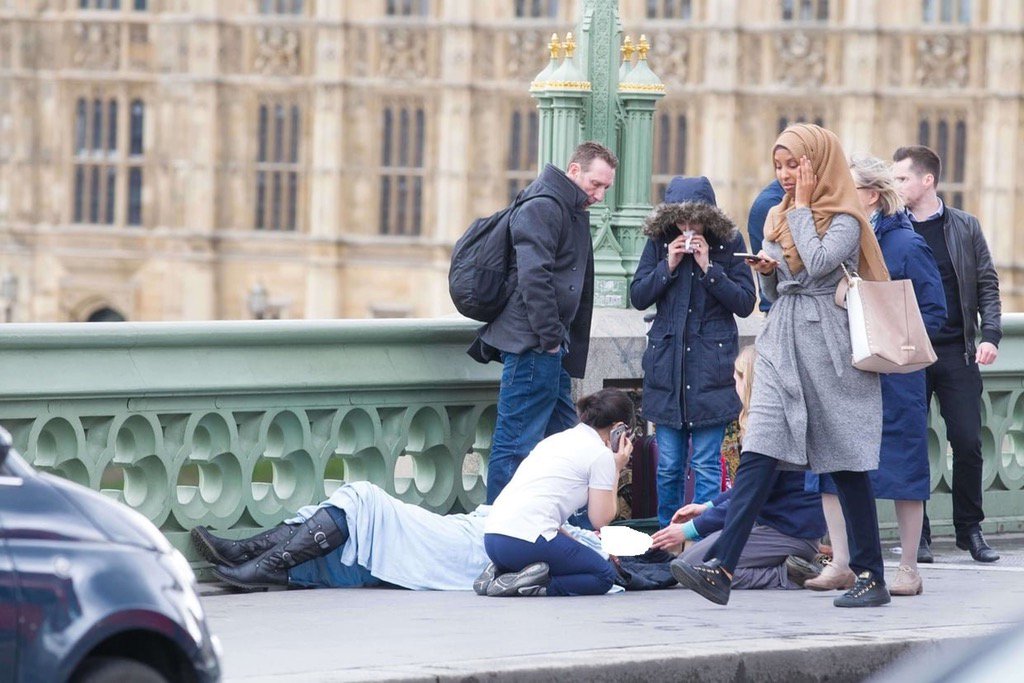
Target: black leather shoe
973	540
924	553
867	592
708	580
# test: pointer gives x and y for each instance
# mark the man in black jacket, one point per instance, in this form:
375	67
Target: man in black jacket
543	334
972	288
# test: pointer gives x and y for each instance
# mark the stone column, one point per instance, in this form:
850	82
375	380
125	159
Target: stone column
1001	129
197	297
639	92
325	132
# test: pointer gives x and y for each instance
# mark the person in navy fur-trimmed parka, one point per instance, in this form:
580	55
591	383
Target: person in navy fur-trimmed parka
689	271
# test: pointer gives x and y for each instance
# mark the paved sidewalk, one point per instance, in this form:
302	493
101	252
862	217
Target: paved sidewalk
385	634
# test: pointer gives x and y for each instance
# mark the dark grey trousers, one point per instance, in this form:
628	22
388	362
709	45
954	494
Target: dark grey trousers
763	560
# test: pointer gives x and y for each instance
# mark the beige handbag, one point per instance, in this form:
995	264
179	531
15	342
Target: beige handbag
887	334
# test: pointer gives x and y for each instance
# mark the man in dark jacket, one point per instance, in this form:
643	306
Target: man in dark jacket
543	334
971	287
698	289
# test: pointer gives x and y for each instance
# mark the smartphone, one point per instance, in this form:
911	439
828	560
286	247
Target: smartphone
616	437
748	256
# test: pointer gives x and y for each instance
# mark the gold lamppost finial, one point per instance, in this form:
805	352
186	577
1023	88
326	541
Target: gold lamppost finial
555	47
643	47
627	49
569	46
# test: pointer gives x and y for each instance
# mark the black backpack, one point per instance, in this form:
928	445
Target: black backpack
480	275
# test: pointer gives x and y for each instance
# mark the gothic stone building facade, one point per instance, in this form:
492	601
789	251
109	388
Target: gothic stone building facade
204	159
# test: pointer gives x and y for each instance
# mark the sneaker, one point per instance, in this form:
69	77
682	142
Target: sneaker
485	578
907	582
513	583
867	592
800	570
708	580
832	578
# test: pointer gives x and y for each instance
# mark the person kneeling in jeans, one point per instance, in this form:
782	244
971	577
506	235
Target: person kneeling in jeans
579	466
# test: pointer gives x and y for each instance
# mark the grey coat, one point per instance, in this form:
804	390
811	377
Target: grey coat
810	408
553	300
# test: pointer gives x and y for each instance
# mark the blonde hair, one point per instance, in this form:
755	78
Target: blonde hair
744	368
873	173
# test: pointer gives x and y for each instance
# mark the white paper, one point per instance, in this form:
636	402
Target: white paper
624	542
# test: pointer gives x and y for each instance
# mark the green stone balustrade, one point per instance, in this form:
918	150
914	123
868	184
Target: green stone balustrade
1002	443
237	424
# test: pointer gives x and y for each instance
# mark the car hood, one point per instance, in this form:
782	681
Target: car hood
116	521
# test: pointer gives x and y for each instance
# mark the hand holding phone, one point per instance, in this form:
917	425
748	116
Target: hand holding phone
746	255
616	436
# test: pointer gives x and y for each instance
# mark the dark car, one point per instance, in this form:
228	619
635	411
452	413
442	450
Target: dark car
90	590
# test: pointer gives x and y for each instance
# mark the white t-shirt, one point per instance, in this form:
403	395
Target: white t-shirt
552	483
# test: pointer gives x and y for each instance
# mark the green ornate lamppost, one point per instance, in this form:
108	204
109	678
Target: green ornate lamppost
593	93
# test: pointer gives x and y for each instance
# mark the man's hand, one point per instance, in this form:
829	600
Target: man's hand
670	536
987	352
688	512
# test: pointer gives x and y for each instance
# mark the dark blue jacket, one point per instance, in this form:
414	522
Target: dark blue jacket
693	341
789	509
902	472
771	195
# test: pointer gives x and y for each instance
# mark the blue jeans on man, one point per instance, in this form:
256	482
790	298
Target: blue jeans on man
534	402
673	448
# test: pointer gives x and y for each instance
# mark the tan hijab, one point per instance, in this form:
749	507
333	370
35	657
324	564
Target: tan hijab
834	193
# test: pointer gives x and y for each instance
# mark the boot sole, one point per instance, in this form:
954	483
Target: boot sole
245	587
207	551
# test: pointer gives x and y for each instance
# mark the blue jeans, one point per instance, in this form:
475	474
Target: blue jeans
673	448
533	402
575	568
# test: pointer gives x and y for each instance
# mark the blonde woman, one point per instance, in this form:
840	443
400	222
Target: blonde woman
788	525
902	475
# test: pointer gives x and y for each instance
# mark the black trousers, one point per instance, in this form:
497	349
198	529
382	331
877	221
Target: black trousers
957	384
754	479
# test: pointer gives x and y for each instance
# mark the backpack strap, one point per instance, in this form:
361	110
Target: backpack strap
519	201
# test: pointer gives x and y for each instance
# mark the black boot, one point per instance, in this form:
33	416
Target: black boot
228	553
318	536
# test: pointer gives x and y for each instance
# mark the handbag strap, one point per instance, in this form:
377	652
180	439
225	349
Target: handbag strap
844	285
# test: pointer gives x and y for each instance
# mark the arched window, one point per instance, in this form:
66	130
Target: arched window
278	127
670	9
522	149
105	315
671	133
946	133
403	170
99	159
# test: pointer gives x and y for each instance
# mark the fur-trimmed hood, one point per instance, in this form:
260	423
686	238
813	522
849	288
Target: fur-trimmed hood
718	227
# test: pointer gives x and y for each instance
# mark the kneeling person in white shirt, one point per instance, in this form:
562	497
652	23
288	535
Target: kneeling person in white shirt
565	471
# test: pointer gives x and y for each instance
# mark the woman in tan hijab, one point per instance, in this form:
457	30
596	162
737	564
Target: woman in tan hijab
810	409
